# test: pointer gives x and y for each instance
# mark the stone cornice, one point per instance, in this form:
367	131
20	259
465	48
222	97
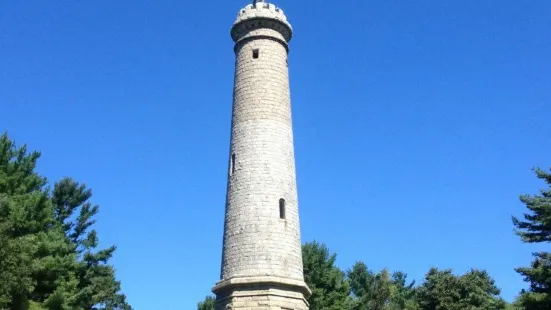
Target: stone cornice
243	27
262	280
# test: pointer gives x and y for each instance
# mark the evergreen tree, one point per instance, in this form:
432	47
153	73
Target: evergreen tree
475	290
404	297
207	304
380	291
536	228
330	289
28	233
48	261
96	279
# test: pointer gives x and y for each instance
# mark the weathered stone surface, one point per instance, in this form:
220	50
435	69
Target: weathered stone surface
260	292
262	260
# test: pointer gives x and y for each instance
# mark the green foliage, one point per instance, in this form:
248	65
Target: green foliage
513	306
207	304
380	291
364	289
48	261
96	283
474	290
404	298
26	234
330	290
536	228
533	301
16	264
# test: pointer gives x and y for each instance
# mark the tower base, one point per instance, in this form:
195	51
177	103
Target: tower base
261	293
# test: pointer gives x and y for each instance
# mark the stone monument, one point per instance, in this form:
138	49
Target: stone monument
262	258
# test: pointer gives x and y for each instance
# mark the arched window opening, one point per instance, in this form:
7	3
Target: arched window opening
282	208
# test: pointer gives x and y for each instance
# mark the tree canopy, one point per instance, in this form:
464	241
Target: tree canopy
535	227
207	304
49	256
442	290
380	290
330	290
363	289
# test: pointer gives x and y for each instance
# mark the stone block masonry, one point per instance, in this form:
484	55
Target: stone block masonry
262	259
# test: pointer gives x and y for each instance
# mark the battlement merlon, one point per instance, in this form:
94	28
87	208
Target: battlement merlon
261	14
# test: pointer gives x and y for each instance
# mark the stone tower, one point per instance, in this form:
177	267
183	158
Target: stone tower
262	259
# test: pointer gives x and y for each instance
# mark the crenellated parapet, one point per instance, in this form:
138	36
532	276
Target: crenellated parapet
261	15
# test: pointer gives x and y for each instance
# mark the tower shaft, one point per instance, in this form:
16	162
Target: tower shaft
262	259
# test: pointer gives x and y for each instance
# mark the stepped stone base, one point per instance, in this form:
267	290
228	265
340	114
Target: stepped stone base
261	293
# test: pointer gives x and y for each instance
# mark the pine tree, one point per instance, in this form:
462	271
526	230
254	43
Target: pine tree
380	291
207	304
31	241
97	287
48	255
475	290
330	289
536	228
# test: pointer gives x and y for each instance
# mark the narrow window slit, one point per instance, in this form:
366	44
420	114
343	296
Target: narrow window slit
232	164
282	208
256	53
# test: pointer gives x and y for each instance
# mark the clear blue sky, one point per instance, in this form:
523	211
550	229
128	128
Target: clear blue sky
416	126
